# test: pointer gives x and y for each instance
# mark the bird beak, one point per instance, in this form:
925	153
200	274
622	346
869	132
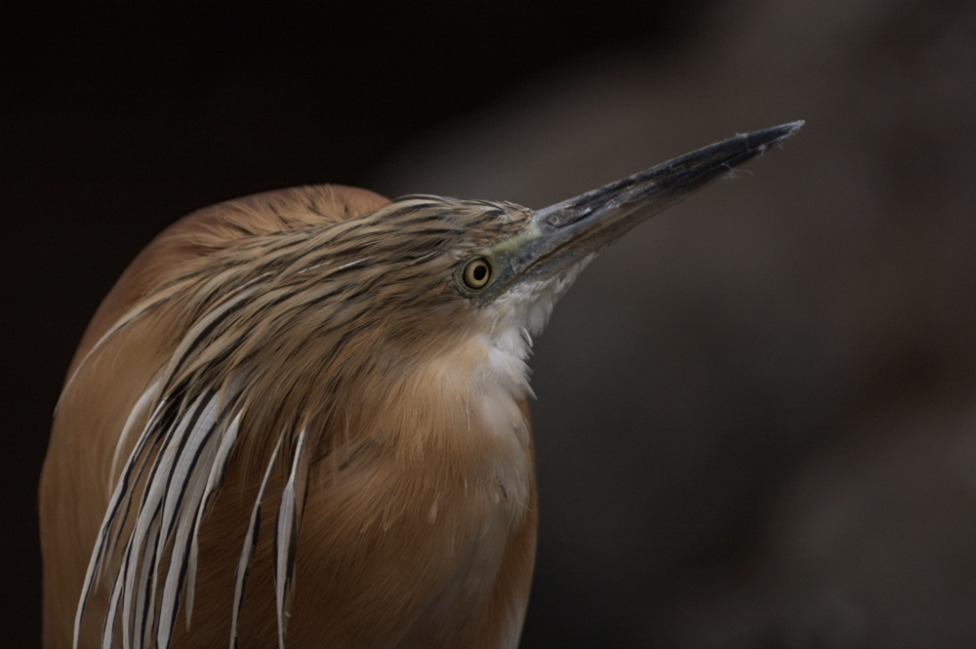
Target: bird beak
568	232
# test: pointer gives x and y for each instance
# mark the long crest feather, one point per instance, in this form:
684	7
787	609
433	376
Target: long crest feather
214	480
286	538
250	542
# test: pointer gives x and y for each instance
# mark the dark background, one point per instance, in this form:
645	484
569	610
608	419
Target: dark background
756	422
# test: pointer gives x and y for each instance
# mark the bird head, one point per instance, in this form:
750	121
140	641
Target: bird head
497	268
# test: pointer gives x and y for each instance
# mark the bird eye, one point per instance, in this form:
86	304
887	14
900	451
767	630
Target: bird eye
476	274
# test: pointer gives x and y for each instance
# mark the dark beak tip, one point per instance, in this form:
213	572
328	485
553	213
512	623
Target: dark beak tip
666	183
767	137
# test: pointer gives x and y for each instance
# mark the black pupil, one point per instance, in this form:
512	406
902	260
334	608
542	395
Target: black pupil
479	272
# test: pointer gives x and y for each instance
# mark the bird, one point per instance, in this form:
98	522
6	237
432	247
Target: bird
299	418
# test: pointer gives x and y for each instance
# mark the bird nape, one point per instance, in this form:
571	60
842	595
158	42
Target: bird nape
299	419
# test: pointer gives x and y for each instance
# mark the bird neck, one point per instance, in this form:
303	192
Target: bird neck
468	398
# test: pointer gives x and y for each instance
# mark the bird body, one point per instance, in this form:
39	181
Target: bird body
472	505
300	418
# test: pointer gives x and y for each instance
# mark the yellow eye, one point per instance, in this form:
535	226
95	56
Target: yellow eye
477	273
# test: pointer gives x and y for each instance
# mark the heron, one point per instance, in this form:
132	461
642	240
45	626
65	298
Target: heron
300	418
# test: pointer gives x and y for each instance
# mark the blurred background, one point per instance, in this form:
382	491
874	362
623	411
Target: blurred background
756	423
